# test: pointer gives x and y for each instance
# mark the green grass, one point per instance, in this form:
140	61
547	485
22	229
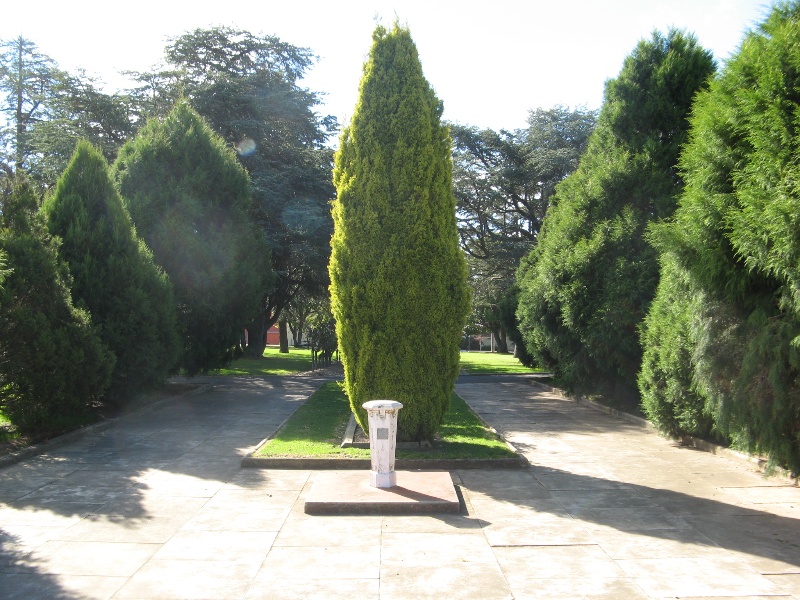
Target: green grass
299	360
317	428
491	363
272	363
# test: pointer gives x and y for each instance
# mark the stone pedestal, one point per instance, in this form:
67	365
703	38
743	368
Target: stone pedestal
382	415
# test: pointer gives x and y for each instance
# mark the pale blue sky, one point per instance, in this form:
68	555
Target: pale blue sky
489	61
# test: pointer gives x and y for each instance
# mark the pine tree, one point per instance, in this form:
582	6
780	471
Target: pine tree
53	364
114	276
398	277
190	200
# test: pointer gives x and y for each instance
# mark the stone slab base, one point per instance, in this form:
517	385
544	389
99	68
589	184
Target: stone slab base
349	492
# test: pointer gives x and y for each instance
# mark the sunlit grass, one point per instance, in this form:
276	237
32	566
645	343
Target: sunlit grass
272	363
317	428
299	360
488	363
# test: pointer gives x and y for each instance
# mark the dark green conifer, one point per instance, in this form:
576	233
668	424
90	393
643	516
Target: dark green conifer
587	285
53	364
114	275
190	199
733	253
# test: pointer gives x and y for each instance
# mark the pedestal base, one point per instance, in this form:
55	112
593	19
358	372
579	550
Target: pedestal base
349	492
383	480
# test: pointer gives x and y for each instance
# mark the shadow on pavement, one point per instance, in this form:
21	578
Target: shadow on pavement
595	477
149	472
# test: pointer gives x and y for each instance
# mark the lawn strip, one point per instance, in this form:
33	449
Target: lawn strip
315	432
272	363
492	363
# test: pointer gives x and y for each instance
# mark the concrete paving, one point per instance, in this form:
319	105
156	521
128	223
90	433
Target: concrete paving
158	506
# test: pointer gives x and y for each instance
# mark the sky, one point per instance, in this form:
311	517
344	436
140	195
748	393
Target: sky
489	61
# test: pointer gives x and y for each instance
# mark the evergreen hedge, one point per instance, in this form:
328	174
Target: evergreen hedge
587	285
53	364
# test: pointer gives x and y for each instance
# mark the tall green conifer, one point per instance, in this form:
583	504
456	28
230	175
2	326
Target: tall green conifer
587	285
732	255
190	199
398	277
114	275
53	364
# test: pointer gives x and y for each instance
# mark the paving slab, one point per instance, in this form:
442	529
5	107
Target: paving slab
416	492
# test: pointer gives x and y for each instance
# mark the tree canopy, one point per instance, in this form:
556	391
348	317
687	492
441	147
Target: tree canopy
48	111
504	183
28	79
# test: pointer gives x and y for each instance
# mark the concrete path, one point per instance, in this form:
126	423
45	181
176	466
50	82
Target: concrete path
157	506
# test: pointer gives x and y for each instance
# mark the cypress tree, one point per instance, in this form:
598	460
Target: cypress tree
114	275
398	277
190	199
734	248
587	285
53	364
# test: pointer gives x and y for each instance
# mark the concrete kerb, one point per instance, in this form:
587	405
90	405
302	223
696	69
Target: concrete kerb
72	436
686	440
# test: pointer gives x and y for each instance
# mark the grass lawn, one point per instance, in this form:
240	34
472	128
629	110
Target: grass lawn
491	363
272	363
317	428
299	360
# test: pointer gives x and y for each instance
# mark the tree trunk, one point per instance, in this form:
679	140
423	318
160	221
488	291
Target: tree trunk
256	338
297	333
501	345
283	333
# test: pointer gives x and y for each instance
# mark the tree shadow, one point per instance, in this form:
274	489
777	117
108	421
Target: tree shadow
568	497
21	577
147	474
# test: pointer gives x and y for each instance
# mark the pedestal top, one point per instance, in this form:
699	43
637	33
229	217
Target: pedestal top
382	405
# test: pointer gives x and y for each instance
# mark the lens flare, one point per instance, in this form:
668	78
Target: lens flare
246	147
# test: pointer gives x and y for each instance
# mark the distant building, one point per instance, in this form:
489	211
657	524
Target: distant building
274	338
